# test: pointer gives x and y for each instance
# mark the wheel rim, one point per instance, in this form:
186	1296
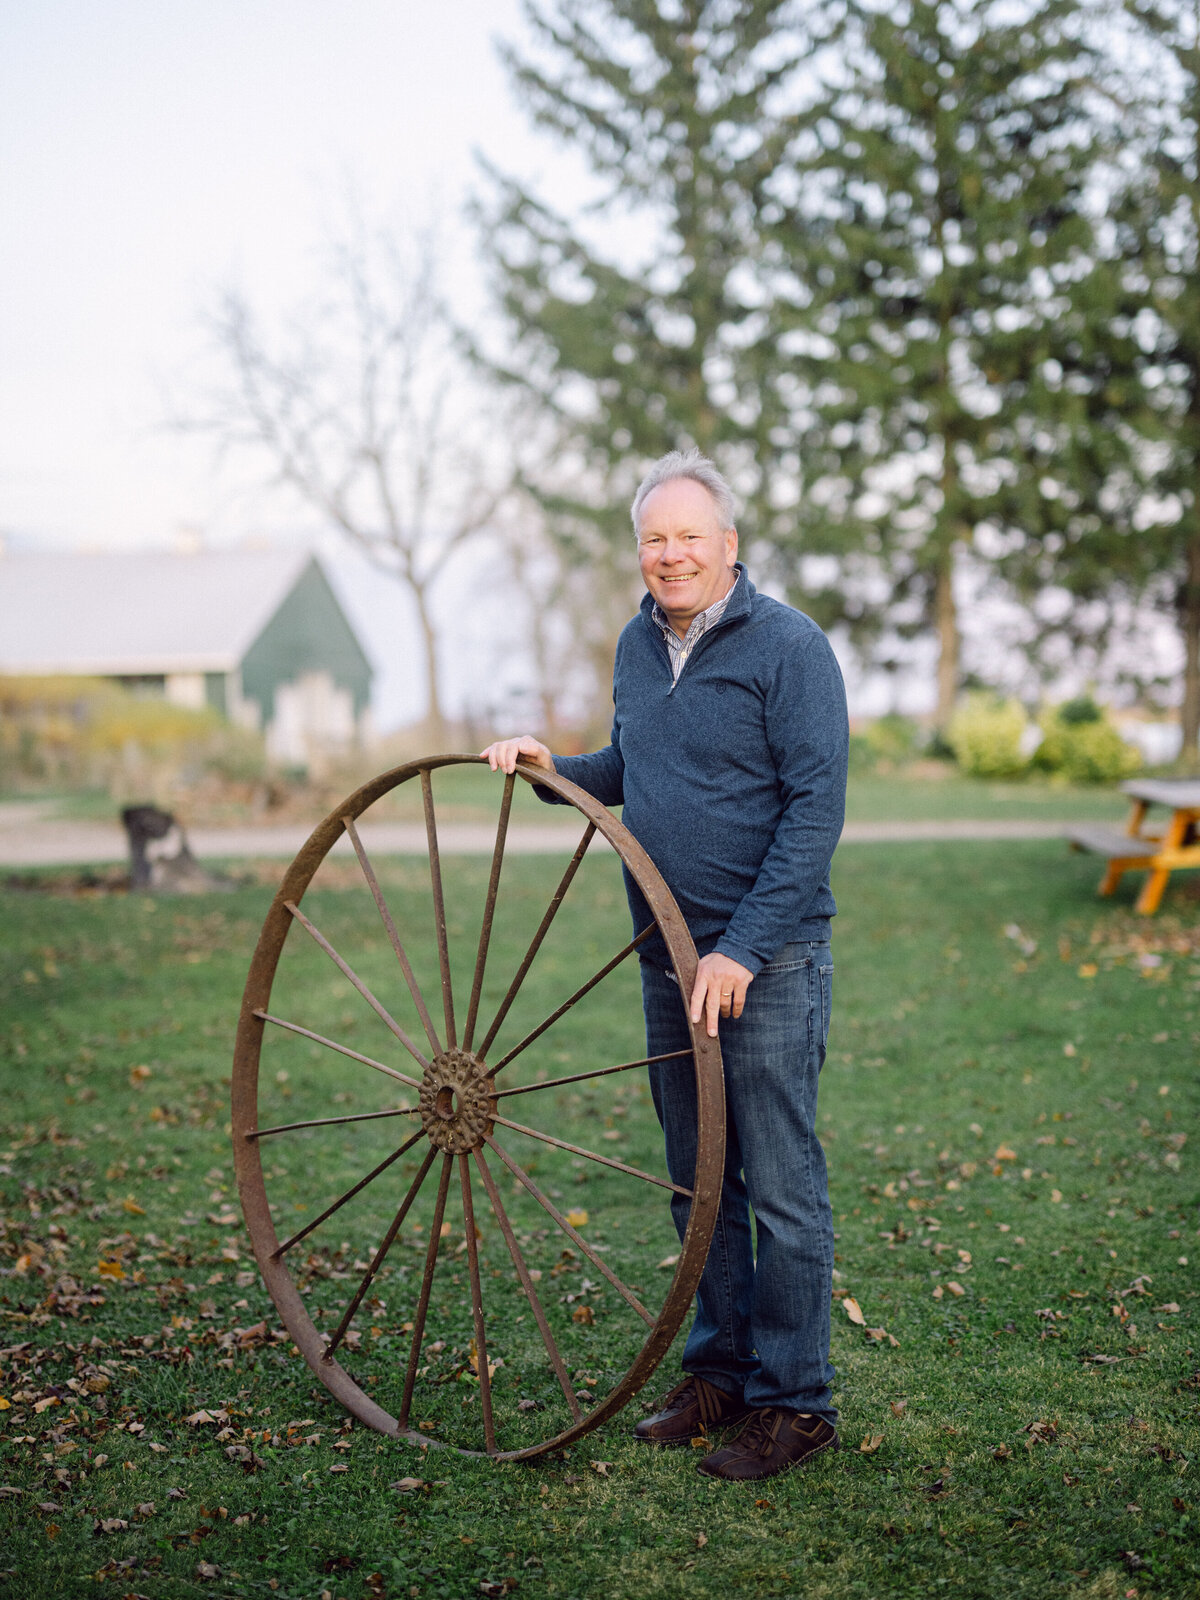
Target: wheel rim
456	1103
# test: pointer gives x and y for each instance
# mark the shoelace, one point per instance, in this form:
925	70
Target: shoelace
759	1435
709	1398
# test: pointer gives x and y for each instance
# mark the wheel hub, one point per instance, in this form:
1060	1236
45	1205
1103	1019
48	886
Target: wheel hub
457	1101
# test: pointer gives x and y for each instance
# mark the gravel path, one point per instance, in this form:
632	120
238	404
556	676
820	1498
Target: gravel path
30	836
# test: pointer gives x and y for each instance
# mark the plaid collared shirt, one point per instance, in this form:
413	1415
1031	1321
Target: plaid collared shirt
680	649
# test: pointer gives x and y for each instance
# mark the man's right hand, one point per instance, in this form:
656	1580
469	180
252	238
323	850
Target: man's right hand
505	753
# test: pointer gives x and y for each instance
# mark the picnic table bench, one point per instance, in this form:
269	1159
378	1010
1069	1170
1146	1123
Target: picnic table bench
1159	854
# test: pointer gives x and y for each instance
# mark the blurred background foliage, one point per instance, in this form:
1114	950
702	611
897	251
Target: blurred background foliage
81	734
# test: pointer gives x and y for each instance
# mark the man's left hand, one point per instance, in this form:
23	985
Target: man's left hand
719	990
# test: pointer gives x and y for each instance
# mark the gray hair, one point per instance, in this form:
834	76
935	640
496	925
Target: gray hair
687	464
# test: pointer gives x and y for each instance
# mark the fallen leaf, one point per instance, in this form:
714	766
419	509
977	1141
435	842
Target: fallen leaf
1171	1308
871	1443
765	1505
956	1289
577	1218
602	1467
1004	1152
854	1311
701	1540
207	1569
130	1204
1055	1196
176	1494
197	1418
110	1269
899	1407
341	1468
5	1405
407	1485
48	1507
939	1293
667	1261
1002	1452
584	1315
110	1525
1089	969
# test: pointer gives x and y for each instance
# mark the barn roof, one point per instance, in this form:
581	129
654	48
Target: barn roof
135	612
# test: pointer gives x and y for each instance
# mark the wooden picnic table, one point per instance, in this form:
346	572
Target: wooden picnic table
1158	853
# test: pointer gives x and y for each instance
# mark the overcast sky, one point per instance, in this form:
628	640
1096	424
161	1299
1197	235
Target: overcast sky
150	152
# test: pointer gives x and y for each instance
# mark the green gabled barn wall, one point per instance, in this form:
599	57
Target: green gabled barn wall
307	633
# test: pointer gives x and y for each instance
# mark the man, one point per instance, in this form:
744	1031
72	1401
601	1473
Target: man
728	753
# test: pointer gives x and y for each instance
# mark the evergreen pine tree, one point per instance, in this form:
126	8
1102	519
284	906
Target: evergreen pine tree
1159	223
948	302
680	110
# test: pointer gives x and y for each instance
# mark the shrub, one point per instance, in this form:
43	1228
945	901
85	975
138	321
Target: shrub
81	733
1082	746
884	744
986	735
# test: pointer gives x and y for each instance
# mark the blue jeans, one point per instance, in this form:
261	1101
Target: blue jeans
761	1327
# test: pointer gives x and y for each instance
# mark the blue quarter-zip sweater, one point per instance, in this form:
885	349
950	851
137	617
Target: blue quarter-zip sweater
733	779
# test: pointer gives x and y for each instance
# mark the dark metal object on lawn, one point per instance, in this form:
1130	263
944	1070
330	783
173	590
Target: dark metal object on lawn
160	857
457	1106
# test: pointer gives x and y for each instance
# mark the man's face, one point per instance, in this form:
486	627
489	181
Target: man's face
685	556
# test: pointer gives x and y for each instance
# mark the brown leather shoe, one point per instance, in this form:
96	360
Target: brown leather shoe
691	1408
774	1440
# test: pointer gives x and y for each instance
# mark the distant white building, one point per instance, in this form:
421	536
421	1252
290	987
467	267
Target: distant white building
259	636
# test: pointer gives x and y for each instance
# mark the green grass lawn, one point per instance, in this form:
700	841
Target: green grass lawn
891	797
1010	1081
902	797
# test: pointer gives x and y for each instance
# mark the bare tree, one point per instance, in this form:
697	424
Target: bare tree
363	406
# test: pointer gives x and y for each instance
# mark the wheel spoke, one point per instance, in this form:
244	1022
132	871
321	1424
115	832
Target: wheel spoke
535	1305
373	884
489	910
439	906
342	1050
377	1260
574	1000
344	967
601	1072
422	1311
523	1178
329	1122
281	1250
481	1355
536	942
590	1155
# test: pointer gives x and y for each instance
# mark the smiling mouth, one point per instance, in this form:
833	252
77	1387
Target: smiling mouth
682	577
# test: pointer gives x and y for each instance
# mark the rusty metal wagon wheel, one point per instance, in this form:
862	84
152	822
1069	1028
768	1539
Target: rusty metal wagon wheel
509	1336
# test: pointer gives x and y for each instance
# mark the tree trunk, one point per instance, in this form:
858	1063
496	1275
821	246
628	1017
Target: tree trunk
1189	623
946	623
435	721
945	613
